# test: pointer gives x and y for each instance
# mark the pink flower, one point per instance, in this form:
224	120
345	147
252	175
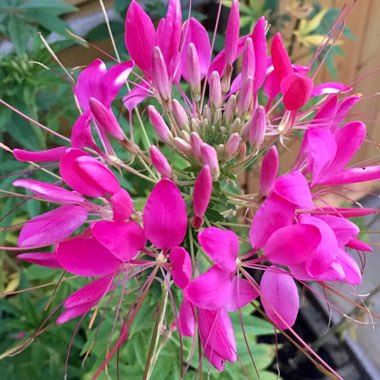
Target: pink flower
201	195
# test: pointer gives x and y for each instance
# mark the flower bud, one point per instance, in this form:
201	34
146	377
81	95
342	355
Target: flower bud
232	33
215	95
230	109
269	169
196	144
180	115
257	127
210	158
245	97
232	146
217	118
194	71
160	162
207	112
201	196
242	151
160	75
159	125
194	125
106	119
236	125
182	146
249	62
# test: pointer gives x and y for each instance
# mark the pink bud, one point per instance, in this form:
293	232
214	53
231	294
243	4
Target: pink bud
201	196
106	119
215	95
122	205
249	61
210	158
180	115
232	146
230	109
269	169
196	144
193	69
280	59
159	125
182	146
232	33
160	162
242	151
257	127
245	98
160	75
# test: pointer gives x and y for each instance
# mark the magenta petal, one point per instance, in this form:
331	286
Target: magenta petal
280	59
88	83
74	312
217	336
273	214
351	269
269	170
122	205
165	218
344	230
221	245
294	188
186	319
124	240
330	88
54	154
242	293
210	290
297	90
194	32
84	256
272	86
201	195
136	96
44	259
354	175
181	266
53	226
232	32
140	36
50	192
359	245
292	245
279	297
81	133
89	293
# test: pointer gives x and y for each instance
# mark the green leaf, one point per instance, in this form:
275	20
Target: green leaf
56	6
19	34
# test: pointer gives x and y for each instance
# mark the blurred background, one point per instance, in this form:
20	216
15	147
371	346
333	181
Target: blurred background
33	82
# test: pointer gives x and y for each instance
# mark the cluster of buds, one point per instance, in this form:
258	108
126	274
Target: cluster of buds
218	123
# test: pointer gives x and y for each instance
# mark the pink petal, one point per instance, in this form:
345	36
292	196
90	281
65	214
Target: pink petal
50	192
81	135
123	240
260	46
193	31
232	32
44	259
273	214
122	205
165	218
242	293
83	255
280	59
344	230
294	188
269	170
351	269
221	245
136	96
279	297
330	88
89	293
217	336
210	290
53	226
74	312
140	36
272	86
292	245
86	175
88	83
181	266
345	107
201	195
354	175
186	320
297	90
54	154
359	245
324	117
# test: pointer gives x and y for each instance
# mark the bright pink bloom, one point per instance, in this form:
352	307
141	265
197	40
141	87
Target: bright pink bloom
181	266
280	59
53	154
297	91
44	259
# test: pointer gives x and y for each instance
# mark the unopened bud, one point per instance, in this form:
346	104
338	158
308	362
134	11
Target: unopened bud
207	112
217	116
182	146
196	144
230	110
215	95
269	170
159	125
257	127
245	98
236	125
232	33
232	146
249	62
194	71
160	162
201	195
180	115
242	151
160	75
210	158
